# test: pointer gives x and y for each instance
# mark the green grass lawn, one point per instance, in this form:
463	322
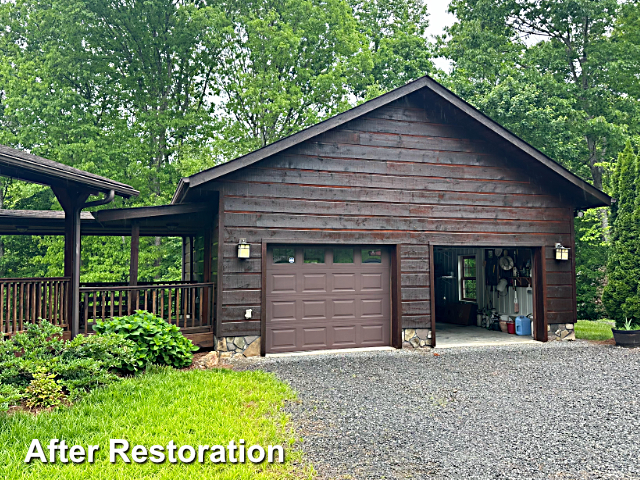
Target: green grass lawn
594	330
194	407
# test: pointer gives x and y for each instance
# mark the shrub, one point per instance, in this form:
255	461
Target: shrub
23	353
76	367
621	295
89	362
9	395
43	391
157	341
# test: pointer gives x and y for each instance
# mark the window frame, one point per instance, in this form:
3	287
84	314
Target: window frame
463	278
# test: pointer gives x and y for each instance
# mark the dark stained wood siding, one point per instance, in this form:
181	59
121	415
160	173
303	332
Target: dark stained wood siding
404	175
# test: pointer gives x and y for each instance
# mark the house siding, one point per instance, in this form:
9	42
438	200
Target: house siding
404	175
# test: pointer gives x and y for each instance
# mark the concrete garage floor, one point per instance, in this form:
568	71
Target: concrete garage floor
449	336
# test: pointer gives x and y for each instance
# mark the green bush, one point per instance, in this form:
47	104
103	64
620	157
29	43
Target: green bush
9	395
77	366
621	295
157	341
43	391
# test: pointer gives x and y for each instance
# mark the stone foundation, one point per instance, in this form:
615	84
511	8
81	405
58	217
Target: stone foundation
416	337
561	331
229	347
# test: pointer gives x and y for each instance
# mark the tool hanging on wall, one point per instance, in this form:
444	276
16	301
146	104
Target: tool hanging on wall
516	307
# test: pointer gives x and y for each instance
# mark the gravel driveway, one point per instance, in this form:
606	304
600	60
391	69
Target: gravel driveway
559	410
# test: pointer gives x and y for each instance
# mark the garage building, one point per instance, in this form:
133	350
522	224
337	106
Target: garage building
366	228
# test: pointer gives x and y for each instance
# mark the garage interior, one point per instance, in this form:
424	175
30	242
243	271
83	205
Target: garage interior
483	295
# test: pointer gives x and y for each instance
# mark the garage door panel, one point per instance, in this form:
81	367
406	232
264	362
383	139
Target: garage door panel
372	307
282	339
283	283
372	333
314	283
283	311
315	337
314	309
313	306
372	282
344	308
345	336
344	283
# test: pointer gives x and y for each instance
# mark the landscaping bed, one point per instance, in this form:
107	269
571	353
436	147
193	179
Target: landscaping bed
136	380
190	407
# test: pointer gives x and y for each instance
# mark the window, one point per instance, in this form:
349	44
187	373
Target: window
343	255
284	255
314	255
468	285
371	255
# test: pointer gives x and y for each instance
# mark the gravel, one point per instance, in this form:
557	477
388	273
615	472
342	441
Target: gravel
558	410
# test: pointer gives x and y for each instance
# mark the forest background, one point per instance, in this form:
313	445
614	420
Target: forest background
148	91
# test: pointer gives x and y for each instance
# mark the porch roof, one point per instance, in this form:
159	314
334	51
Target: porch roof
163	220
32	168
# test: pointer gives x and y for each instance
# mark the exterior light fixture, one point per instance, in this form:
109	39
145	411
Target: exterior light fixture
562	253
244	249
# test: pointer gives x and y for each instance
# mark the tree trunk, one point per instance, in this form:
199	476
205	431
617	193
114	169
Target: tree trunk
596	175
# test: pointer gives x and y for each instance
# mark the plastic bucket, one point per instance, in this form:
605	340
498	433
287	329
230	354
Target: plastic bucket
511	328
523	325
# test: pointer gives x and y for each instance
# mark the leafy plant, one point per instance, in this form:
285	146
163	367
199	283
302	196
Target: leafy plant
157	341
9	395
628	325
43	391
77	366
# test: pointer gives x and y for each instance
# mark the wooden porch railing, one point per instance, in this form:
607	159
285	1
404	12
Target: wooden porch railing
187	305
26	300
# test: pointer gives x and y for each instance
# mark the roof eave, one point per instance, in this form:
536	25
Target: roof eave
181	190
42	167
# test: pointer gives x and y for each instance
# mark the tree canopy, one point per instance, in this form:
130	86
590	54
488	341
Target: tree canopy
148	91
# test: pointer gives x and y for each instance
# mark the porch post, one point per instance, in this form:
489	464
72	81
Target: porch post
72	203
208	251
135	249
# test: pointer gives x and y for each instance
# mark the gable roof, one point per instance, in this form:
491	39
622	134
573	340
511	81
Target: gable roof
592	196
32	168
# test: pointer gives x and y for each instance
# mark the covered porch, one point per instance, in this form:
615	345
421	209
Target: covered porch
64	301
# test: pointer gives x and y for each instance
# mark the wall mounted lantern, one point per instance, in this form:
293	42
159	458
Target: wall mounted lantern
562	253
244	249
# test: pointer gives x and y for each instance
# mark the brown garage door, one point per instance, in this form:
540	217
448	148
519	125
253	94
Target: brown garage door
324	297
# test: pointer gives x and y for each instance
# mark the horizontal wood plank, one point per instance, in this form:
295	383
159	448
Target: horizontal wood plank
384	209
275	221
424	194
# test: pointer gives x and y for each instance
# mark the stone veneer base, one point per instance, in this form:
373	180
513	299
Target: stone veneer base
561	331
416	337
246	346
249	346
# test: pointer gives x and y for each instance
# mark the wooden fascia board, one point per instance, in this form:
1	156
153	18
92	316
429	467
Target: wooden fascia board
146	212
31	168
